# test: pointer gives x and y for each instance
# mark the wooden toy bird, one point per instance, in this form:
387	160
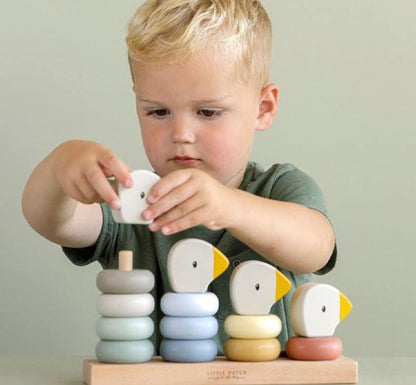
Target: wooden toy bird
189	325
133	200
255	286
315	311
193	264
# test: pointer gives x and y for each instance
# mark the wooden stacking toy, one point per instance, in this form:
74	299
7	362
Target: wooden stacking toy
125	305
133	200
254	287
189	326
315	311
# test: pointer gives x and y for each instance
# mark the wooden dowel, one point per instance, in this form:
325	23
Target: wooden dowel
125	260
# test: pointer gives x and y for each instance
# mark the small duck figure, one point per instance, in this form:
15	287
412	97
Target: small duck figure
189	326
254	287
316	309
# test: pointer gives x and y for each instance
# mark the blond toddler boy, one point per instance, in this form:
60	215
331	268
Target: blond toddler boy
200	72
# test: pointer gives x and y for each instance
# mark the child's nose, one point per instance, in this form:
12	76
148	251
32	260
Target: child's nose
182	131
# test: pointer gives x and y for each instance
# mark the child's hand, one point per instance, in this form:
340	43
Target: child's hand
81	169
187	198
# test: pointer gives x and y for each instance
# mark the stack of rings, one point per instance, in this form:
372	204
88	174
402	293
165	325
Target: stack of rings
252	337
189	327
125	326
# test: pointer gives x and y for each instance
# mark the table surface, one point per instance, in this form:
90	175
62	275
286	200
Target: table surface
68	370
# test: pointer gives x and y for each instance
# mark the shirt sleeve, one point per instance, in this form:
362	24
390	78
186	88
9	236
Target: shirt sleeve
293	185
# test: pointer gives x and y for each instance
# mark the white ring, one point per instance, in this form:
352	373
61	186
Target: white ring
125	305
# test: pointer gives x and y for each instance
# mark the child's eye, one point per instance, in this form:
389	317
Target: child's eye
209	113
158	112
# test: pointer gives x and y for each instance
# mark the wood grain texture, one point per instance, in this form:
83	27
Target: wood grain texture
223	372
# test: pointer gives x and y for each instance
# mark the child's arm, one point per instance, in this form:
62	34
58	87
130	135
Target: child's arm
290	235
62	195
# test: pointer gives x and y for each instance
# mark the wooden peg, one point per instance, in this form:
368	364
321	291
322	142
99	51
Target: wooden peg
125	260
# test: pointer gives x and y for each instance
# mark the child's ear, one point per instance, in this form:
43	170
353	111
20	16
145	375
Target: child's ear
267	106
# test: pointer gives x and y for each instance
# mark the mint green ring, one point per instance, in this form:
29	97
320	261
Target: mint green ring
124	329
124	352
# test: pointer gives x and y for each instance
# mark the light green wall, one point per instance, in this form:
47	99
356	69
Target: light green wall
346	75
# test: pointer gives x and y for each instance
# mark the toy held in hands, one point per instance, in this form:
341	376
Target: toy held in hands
134	199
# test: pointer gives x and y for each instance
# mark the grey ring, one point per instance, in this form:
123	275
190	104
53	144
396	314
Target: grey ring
137	281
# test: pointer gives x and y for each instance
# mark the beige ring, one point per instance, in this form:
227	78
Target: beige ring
252	326
267	349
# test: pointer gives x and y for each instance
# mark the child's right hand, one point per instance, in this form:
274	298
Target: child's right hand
81	169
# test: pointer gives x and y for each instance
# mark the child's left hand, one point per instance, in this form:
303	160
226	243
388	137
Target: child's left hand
187	198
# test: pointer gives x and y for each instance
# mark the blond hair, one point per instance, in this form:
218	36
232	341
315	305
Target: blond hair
175	30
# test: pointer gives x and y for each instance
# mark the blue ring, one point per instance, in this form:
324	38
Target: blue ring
188	350
188	328
189	304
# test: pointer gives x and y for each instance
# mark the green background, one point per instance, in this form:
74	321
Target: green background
346	74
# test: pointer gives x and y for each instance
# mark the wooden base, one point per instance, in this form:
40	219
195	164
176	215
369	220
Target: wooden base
343	370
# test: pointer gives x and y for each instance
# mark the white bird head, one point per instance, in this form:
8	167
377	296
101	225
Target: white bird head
316	309
134	200
255	286
193	264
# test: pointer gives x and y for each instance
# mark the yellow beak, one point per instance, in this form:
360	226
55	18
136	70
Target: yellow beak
220	262
282	285
345	306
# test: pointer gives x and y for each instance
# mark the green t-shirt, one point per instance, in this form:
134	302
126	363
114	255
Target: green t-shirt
281	182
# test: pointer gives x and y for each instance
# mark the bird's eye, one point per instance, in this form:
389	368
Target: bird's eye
195	264
323	309
257	286
142	194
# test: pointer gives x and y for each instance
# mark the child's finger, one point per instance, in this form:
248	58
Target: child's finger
167	184
189	220
174	198
87	193
102	186
114	166
177	212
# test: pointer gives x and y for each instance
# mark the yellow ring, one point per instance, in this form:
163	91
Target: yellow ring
252	326
267	349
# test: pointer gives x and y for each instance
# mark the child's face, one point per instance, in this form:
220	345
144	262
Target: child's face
196	115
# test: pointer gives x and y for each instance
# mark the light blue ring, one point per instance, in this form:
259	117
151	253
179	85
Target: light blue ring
189	304
188	350
188	328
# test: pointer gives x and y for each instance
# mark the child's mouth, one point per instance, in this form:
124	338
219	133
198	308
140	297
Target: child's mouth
185	160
